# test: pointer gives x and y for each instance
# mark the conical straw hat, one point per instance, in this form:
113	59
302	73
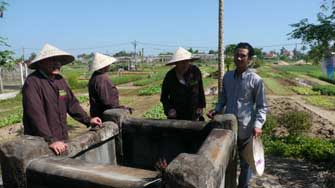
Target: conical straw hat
253	154
100	61
50	52
181	54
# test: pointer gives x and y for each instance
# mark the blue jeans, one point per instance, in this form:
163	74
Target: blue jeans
245	174
246	171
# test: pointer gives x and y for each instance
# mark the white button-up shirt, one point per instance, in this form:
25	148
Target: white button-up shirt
244	96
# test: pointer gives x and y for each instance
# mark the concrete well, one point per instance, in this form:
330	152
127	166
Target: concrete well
124	154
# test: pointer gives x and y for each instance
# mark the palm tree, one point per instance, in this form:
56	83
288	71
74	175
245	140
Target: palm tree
221	46
2	8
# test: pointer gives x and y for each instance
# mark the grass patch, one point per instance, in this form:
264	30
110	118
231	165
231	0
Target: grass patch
304	90
117	80
155	112
325	89
11	119
276	87
327	102
152	90
313	149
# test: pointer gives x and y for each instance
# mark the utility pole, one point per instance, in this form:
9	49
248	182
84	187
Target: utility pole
221	47
142	55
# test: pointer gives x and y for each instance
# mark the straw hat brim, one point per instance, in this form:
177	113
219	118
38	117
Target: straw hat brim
182	60
253	154
63	59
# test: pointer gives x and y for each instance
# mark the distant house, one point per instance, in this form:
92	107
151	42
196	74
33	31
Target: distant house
206	57
288	54
270	55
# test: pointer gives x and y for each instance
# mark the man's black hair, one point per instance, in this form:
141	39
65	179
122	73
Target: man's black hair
246	45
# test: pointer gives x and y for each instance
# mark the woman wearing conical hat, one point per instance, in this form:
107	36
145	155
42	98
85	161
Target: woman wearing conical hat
47	99
103	93
182	93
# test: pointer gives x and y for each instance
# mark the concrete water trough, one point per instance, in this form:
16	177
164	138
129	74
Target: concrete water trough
124	154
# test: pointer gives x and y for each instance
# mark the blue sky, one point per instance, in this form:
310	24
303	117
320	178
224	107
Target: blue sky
158	25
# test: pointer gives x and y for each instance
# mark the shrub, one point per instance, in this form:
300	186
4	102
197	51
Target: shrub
155	112
296	121
150	90
304	90
11	119
325	89
327	102
270	124
83	98
313	149
125	79
74	82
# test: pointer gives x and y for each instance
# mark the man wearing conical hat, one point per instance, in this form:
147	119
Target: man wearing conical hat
103	93
47	99
182	93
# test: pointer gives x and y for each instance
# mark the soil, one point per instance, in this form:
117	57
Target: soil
323	121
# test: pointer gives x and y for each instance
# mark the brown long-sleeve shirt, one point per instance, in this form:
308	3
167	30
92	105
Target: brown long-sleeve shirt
184	98
103	94
46	103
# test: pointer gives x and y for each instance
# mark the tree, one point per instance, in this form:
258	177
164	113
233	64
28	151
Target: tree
2	8
259	53
193	51
32	56
6	56
319	36
230	49
212	52
123	54
86	58
6	62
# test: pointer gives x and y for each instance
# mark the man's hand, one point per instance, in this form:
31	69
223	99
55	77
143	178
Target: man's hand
172	113
58	147
211	114
257	132
199	111
96	121
161	164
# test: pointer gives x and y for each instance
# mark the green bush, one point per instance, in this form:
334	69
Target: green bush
117	80
83	98
74	82
326	79
304	90
313	149
155	112
296	121
150	90
325	89
270	123
327	102
11	119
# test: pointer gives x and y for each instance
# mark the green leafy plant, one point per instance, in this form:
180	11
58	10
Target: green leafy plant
11	119
296	121
313	149
155	112
270	124
152	90
304	90
325	89
327	102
